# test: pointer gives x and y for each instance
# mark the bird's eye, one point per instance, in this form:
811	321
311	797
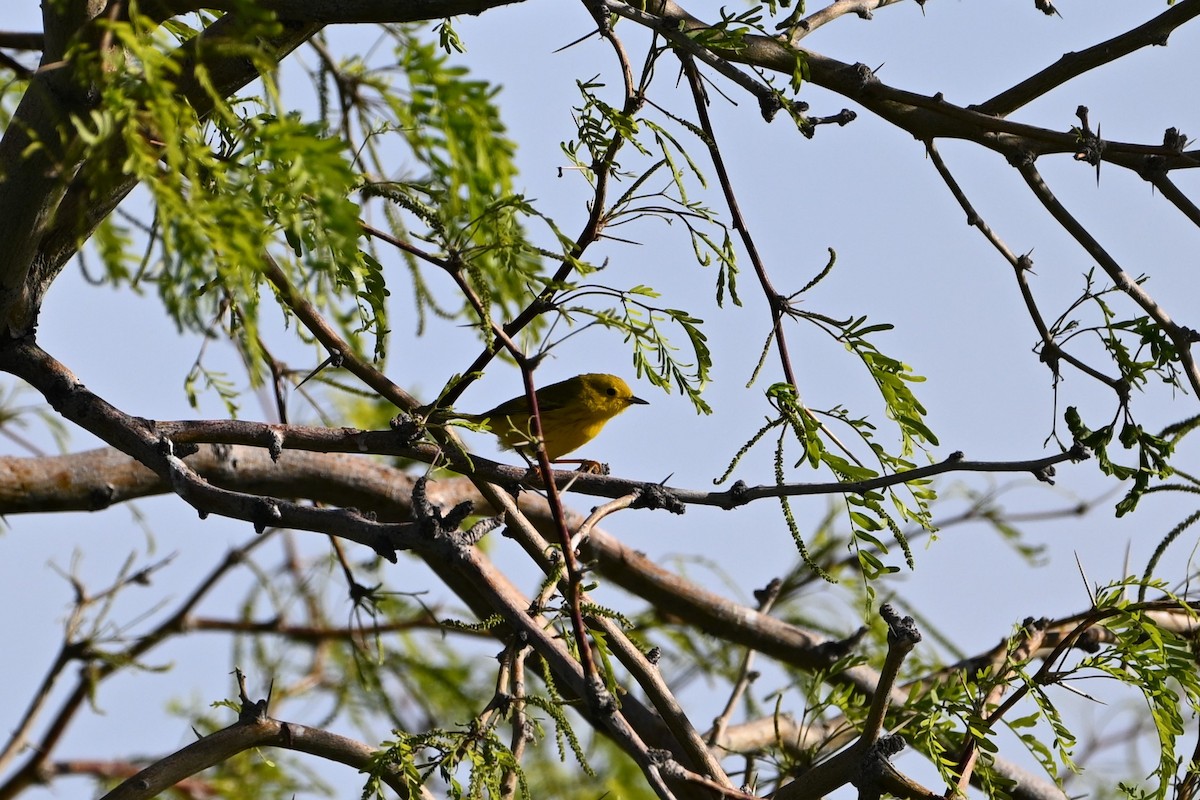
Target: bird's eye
612	392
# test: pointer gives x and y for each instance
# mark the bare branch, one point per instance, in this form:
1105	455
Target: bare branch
1150	34
1052	354
1182	337
22	40
800	27
922	116
249	734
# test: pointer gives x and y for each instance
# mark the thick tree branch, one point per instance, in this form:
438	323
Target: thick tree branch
22	40
52	201
89	492
40	159
139	438
336	478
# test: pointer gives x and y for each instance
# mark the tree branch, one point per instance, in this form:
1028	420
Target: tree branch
1052	353
335	477
1072	65
923	116
139	438
22	40
1183	338
260	731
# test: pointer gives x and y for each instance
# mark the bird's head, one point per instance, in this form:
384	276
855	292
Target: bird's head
606	394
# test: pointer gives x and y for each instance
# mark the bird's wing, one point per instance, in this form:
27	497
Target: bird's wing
520	406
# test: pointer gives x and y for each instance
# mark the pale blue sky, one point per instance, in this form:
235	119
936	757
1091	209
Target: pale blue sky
905	256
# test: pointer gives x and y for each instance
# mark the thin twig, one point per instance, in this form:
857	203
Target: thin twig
335	344
1052	352
767	599
1182	338
30	773
1029	641
602	168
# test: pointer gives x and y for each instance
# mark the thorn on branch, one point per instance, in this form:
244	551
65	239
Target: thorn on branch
1091	146
266	514
334	359
253	711
655	496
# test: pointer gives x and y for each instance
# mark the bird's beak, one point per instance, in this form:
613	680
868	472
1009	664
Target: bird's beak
638	401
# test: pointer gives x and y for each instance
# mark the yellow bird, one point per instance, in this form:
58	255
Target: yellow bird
572	413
